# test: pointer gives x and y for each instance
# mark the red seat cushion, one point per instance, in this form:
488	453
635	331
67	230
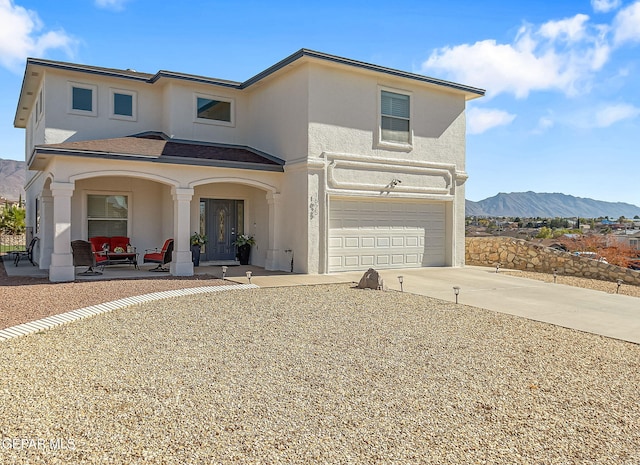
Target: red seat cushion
99	257
155	257
98	241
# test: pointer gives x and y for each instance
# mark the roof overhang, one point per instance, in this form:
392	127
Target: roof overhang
154	147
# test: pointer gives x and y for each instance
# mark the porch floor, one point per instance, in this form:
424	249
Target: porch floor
210	269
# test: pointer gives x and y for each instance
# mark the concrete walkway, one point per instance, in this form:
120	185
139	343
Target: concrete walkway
596	312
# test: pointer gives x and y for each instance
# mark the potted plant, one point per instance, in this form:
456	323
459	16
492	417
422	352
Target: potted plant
197	241
244	243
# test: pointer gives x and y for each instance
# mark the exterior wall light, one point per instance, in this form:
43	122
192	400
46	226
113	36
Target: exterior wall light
401	279
224	272
456	291
249	276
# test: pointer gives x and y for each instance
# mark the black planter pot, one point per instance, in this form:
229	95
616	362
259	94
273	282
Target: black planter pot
195	255
243	254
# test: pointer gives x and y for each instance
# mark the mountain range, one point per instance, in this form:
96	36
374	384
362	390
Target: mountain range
12	177
546	205
522	204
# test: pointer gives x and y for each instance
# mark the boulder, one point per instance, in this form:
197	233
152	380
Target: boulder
371	279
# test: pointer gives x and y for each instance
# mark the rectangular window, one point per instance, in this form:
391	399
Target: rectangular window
107	215
123	104
395	118
40	105
83	99
215	110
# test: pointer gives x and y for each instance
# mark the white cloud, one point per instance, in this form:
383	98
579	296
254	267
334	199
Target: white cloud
20	36
571	29
116	5
604	6
612	114
480	120
558	55
626	25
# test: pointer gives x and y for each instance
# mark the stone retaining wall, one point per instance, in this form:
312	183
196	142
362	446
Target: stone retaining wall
518	254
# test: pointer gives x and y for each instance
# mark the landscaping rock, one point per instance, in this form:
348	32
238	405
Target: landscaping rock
371	280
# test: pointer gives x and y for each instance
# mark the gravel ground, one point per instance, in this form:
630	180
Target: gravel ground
595	284
317	374
28	299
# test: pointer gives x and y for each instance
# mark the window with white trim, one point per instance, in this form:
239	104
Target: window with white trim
83	99
395	117
123	104
107	215
214	110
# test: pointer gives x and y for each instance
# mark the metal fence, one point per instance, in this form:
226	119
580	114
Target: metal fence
11	242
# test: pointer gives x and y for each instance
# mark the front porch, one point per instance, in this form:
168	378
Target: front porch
206	270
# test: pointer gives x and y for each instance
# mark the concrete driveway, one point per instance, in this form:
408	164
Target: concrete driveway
597	312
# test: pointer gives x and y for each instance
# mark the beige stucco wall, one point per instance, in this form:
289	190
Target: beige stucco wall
311	114
61	125
522	255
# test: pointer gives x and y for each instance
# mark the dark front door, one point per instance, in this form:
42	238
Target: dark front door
221	226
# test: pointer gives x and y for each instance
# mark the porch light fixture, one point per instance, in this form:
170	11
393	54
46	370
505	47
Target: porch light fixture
456	291
224	271
619	284
401	279
249	276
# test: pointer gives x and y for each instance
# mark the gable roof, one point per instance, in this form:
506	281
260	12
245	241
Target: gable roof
32	76
159	148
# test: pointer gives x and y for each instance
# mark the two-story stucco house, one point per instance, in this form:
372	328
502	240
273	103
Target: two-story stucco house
331	164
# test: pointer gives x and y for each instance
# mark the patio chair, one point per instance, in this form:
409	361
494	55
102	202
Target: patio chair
161	257
25	253
84	255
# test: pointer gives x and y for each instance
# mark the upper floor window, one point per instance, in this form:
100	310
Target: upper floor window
123	104
215	110
40	105
83	99
395	113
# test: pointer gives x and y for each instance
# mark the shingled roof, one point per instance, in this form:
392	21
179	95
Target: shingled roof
158	147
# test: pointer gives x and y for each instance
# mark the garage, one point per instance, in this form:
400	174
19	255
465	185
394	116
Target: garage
385	234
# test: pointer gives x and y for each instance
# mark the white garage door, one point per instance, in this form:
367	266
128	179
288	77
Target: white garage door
364	234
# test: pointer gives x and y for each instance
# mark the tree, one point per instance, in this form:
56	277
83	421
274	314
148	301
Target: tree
12	220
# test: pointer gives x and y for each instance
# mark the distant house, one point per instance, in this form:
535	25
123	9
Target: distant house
628	238
330	163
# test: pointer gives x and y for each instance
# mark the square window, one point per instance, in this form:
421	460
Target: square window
122	104
107	215
82	99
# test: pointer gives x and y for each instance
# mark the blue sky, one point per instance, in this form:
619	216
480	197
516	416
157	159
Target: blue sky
562	111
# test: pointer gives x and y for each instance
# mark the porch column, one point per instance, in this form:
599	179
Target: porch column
181	263
61	268
273	251
46	230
